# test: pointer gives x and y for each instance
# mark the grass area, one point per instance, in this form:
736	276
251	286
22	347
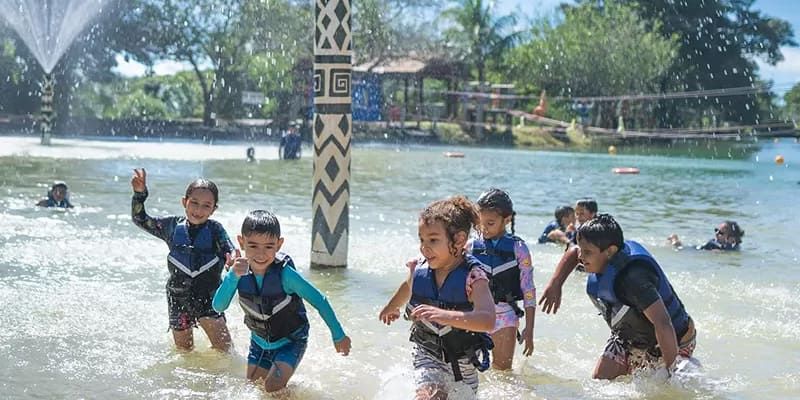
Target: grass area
534	136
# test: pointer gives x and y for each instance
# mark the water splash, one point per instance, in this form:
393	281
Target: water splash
48	27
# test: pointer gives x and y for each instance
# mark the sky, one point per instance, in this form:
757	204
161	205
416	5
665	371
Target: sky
784	75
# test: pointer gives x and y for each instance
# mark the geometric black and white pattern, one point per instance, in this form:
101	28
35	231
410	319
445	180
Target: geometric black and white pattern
332	133
46	122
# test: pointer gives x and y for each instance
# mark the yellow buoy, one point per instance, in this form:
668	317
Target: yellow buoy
612	150
779	159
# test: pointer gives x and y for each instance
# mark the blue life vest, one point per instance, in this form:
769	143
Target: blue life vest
270	312
64	203
445	342
632	324
194	265
502	267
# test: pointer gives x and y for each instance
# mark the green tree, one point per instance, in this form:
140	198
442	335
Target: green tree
792	103
593	52
719	41
478	35
389	28
219	38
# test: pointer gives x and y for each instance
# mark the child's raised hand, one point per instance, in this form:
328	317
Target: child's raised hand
343	346
389	315
239	264
139	180
231	257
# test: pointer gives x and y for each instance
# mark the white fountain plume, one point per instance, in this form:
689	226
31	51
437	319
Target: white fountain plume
48	27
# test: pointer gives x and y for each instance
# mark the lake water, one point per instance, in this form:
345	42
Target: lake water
82	292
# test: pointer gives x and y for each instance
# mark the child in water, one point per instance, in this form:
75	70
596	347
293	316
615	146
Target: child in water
511	275
57	196
650	327
585	210
271	294
562	228
727	236
448	299
198	250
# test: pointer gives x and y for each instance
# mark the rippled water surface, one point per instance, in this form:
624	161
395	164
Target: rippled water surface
84	310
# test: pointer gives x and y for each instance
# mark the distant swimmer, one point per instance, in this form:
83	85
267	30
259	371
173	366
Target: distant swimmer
251	154
562	228
290	147
57	196
727	236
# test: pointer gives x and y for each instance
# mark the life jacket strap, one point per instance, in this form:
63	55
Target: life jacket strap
188	271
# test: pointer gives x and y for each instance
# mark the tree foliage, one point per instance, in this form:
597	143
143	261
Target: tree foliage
719	40
478	35
593	52
220	38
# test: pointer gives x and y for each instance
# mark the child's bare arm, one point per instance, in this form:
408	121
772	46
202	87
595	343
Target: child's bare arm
391	312
665	332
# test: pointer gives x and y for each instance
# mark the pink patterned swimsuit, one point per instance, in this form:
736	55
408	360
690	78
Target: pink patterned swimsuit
505	317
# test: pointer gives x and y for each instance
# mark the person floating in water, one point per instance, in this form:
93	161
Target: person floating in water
727	236
511	276
57	196
290	146
271	294
650	327
447	297
198	250
561	229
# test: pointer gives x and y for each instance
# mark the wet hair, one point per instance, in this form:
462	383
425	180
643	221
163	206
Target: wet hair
456	213
736	232
59	184
498	201
602	231
261	222
588	203
563	211
202	183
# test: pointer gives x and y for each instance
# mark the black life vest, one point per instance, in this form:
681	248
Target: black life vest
445	342
270	312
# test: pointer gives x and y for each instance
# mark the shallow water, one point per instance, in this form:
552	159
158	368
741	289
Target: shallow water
84	310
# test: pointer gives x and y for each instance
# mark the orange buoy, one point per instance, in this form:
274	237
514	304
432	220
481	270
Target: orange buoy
453	154
625	170
779	159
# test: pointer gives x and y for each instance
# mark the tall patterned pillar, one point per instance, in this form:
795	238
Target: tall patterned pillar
46	122
332	132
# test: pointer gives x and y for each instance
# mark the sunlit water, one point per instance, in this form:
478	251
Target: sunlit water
84	310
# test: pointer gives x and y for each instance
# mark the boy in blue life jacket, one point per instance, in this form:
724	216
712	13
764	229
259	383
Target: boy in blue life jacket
650	327
271	294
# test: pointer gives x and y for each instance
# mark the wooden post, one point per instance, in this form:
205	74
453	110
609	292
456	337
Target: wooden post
332	133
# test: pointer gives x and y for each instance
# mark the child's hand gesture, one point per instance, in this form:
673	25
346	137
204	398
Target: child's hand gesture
389	314
343	346
139	180
239	264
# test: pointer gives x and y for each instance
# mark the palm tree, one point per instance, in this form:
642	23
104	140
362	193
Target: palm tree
478	34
